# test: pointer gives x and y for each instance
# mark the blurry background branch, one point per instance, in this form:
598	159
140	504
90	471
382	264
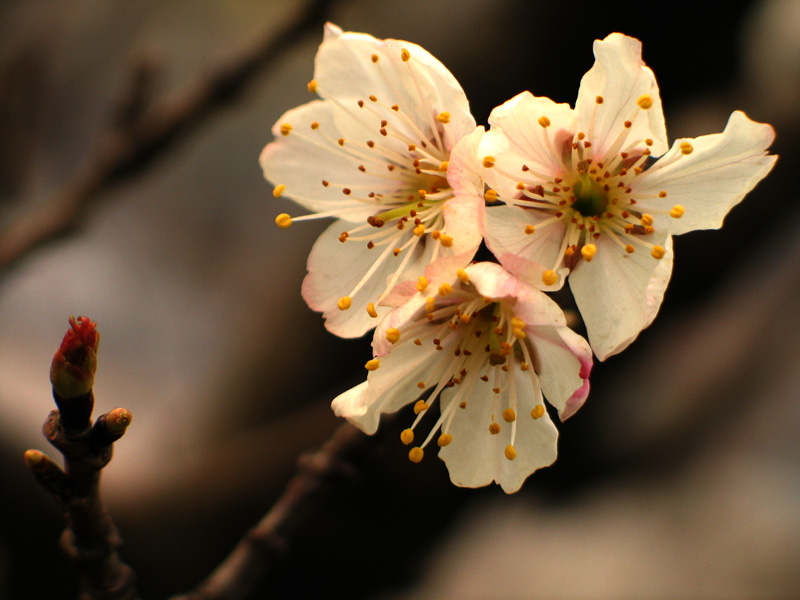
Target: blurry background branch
259	551
140	131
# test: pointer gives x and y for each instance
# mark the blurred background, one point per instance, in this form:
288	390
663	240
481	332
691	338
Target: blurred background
680	478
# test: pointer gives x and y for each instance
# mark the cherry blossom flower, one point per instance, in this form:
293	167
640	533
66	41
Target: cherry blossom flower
488	347
390	152
583	199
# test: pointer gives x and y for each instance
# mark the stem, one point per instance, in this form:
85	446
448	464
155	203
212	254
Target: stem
259	551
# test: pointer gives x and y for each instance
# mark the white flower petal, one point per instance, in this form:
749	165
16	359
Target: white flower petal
354	66
476	457
334	270
305	157
714	177
526	255
521	134
619	294
463	169
388	388
620	78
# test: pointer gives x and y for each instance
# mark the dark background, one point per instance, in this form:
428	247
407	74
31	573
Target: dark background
678	479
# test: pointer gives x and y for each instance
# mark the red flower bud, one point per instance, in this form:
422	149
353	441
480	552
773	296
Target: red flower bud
75	362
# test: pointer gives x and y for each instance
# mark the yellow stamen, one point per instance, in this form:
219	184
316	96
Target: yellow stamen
644	101
372	364
420	406
405	55
344	302
407	436
630	249
444	440
588	252
538	411
430	304
415	454
443	117
285	128
422	283
544	121
446	240
549	277
494	428
462	275
371	310
529	229
677	211
488	162
686	148
511	454
509	415
393	335
283	220
658	252
490	196
445	289
278	191
443	166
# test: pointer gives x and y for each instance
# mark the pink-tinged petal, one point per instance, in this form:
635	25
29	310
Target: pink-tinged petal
527	255
716	174
575	401
354	66
493	281
620	78
397	319
463	218
534	129
334	270
563	359
564	364
303	158
531	305
464	170
400	294
619	294
476	457
391	386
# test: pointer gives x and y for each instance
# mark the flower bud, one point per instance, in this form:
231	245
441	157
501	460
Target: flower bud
75	362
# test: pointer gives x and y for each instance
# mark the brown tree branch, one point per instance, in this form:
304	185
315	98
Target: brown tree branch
91	538
258	552
126	149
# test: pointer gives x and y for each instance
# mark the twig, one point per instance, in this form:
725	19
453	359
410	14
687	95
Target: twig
126	150
257	553
91	539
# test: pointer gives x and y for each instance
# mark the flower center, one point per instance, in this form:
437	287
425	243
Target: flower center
478	345
591	200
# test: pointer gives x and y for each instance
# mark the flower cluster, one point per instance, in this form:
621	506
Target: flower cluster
393	154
